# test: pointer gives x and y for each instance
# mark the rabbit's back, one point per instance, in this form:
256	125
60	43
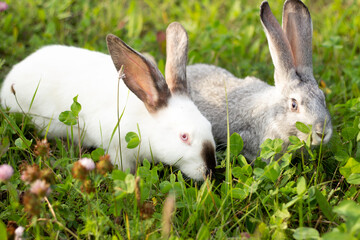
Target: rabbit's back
208	80
206	85
60	73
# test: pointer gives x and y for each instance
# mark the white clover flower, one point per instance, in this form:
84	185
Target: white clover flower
40	187
19	231
87	163
6	171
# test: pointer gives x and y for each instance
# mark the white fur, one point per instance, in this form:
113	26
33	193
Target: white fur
64	72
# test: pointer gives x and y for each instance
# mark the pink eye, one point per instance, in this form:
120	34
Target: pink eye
184	137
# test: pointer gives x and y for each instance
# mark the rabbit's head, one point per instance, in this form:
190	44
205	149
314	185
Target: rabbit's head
178	134
291	51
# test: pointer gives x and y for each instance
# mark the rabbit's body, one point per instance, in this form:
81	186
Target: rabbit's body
55	96
249	110
64	72
258	111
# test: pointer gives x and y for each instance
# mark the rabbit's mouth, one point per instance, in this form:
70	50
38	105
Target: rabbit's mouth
202	166
197	173
319	137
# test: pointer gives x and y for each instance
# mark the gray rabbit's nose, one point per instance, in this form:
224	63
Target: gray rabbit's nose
323	132
324	136
320	134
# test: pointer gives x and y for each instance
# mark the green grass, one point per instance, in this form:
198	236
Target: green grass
311	193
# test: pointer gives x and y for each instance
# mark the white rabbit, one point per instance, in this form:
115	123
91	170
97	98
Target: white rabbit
258	111
172	129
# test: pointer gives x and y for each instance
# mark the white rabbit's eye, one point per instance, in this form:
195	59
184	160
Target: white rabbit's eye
185	138
294	105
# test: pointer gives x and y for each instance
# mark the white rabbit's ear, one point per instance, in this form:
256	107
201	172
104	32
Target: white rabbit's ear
176	58
141	76
297	26
279	46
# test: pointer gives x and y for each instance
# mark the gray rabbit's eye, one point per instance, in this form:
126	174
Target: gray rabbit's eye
294	105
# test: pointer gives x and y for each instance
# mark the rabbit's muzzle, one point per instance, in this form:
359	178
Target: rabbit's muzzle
321	133
208	155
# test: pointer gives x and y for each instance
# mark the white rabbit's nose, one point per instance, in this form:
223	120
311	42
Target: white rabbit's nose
208	155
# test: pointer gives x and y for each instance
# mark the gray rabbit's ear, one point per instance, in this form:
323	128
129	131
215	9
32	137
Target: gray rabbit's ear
141	76
279	46
297	26
176	58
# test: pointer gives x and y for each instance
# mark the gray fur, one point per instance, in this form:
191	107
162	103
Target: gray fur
297	26
258	111
176	58
279	45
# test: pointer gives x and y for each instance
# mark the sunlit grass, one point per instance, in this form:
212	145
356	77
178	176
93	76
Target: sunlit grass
302	193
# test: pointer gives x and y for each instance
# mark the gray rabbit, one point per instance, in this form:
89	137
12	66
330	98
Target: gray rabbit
258	111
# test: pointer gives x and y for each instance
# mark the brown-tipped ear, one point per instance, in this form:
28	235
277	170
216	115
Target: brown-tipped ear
141	77
176	58
278	44
297	26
